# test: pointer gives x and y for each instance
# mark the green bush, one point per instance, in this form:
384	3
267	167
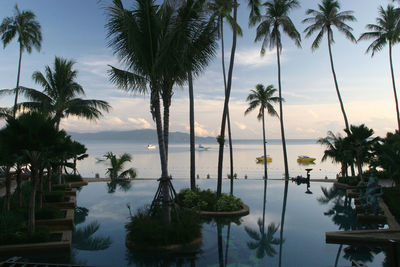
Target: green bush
55	196
206	200
49	212
60	187
391	195
146	229
229	203
350	180
68	178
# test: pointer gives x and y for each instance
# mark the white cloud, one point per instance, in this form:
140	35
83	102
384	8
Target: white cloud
140	122
251	57
241	126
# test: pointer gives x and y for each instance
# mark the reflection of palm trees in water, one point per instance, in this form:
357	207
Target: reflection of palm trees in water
263	241
345	217
285	193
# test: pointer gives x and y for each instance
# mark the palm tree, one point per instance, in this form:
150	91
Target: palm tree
23	24
337	148
323	21
268	31
361	143
59	97
263	97
386	31
117	166
263	241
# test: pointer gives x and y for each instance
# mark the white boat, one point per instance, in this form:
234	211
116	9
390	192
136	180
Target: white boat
150	146
202	148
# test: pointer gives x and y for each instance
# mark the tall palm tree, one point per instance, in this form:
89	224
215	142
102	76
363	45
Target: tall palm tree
117	165
323	21
268	31
263	97
59	97
386	31
25	25
221	10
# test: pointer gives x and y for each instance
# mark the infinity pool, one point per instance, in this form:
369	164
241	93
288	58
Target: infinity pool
294	237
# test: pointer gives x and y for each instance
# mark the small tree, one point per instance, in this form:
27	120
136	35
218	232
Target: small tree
117	166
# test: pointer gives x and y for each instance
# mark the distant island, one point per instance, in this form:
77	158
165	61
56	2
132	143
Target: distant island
149	136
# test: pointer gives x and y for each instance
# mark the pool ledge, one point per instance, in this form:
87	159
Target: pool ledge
242	212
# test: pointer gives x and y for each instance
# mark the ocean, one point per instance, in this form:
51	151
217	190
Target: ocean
147	162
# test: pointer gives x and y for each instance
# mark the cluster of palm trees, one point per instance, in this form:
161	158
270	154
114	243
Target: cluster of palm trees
32	135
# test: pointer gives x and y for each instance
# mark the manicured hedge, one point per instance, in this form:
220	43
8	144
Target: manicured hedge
391	196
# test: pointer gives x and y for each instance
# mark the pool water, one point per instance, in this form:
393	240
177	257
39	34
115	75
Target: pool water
294	237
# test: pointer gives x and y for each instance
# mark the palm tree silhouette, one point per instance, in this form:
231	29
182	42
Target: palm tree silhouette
268	31
117	165
24	25
323	21
59	97
263	97
386	31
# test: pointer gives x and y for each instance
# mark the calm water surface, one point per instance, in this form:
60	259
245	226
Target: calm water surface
301	225
147	162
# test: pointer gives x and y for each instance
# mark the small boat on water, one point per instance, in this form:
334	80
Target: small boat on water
305	159
150	147
202	148
261	159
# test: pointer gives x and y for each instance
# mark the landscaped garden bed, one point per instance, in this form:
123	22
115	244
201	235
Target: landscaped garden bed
391	197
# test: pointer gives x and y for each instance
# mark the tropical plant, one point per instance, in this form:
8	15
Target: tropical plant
32	136
263	240
387	156
59	97
338	149
263	97
361	143
322	22
268	31
83	238
24	25
386	31
117	166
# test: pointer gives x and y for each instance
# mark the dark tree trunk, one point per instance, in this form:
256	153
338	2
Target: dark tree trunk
40	191
226	103
17	87
166	103
265	148
32	200
394	86
220	246
285	160
49	174
285	193
192	134
8	188
19	184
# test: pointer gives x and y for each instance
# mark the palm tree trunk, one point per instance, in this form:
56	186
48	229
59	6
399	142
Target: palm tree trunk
8	188
228	116
285	160
359	165
227	243
166	104
335	80
49	174
32	202
40	192
220	245
17	87
19	185
394	86
338	254
192	134
265	148
226	103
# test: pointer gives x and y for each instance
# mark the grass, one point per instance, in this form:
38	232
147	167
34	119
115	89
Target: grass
391	195
147	229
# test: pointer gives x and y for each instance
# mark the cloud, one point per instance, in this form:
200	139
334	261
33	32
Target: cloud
140	122
241	126
251	57
97	64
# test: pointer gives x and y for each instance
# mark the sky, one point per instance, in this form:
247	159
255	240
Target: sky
75	29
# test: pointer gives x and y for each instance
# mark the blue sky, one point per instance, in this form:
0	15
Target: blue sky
75	30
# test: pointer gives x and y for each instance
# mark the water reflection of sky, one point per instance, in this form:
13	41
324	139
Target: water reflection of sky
147	162
303	233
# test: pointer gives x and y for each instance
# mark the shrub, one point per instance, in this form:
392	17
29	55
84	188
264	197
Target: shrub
391	195
72	178
350	180
147	229
55	196
60	187
228	203
49	212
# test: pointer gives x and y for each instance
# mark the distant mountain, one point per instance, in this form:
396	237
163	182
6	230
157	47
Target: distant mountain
140	136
